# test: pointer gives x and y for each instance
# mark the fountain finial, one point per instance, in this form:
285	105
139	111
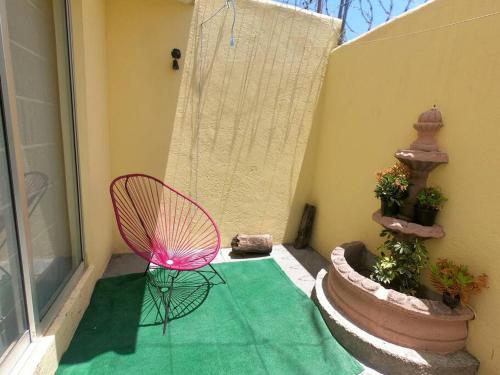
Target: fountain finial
428	124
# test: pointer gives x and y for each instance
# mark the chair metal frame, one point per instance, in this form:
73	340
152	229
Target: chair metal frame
168	246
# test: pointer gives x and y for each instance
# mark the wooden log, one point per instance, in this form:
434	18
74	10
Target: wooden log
305	227
258	243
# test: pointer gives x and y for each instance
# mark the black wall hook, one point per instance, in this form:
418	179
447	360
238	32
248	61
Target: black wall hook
176	54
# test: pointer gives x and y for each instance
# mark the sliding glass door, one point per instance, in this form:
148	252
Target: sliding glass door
40	217
39	54
13	322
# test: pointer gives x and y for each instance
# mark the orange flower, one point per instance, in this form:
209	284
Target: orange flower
398	169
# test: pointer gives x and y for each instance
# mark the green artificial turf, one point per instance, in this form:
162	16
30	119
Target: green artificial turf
256	323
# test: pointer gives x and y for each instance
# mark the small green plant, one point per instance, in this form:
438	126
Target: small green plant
400	263
448	277
392	184
431	198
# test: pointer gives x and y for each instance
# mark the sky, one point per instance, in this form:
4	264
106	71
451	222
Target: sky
357	23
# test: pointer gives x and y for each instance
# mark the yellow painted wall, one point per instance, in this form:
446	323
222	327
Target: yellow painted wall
91	77
251	156
244	114
375	88
143	88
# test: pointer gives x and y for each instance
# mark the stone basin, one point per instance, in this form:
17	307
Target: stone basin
418	323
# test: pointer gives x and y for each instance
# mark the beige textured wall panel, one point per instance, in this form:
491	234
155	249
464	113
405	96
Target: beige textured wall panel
244	113
446	53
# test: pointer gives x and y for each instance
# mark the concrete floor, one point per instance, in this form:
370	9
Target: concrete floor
301	266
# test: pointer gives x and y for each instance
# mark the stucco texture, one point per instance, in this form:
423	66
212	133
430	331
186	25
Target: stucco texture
445	53
244	113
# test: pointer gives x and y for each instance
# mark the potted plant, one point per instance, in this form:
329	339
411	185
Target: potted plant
400	263
392	188
429	201
455	282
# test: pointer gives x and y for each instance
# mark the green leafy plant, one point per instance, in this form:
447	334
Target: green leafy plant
400	263
448	277
392	184
431	198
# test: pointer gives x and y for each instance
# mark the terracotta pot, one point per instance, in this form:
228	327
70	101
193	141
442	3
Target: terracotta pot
451	301
387	209
425	216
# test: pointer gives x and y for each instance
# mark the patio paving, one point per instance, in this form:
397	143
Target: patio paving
300	265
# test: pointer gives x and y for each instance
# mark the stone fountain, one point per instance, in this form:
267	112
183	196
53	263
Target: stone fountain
421	158
393	332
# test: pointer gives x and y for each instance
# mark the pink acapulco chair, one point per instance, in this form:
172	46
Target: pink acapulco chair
165	227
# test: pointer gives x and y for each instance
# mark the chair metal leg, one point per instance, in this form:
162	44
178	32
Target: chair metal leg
217	273
166	301
158	305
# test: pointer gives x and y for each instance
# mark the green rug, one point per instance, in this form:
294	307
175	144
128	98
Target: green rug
256	323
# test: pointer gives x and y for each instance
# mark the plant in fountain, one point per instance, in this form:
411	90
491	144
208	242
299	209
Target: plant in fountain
429	201
392	188
455	282
400	263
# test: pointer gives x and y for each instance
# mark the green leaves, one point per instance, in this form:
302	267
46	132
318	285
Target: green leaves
449	277
392	188
400	263
464	279
431	198
392	185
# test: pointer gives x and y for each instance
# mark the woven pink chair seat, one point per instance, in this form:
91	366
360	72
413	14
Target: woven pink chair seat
162	225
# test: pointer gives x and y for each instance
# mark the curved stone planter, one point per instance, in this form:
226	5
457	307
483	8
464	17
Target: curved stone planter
404	320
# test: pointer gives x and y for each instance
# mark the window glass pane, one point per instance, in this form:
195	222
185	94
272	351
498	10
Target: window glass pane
12	313
39	51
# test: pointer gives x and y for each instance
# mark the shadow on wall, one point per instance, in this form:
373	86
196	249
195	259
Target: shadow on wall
244	114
